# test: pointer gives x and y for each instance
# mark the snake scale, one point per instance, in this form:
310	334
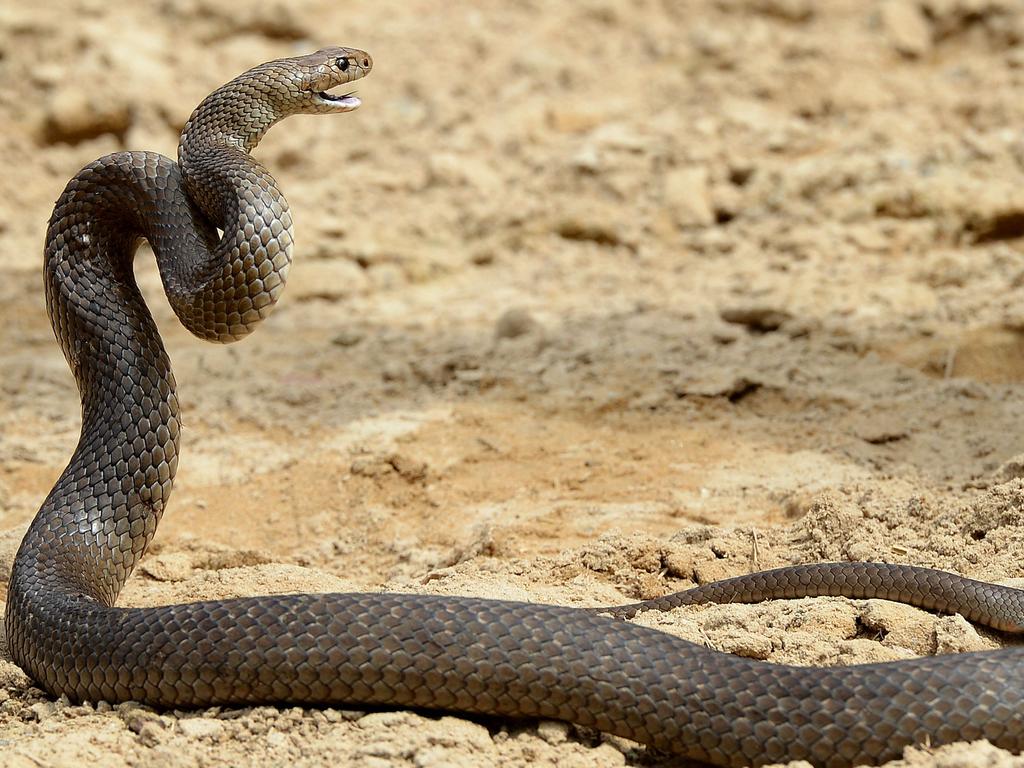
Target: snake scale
468	655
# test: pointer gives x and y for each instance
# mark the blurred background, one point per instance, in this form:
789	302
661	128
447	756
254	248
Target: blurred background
586	294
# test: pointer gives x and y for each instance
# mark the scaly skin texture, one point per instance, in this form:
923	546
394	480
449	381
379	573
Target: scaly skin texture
461	654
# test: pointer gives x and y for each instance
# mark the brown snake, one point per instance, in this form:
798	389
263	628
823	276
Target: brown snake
462	654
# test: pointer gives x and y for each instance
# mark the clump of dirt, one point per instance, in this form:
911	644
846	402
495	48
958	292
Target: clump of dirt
593	301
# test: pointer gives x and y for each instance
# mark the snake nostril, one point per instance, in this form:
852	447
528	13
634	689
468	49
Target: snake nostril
366	62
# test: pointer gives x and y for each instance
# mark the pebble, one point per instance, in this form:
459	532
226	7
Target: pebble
140	718
789	10
688	197
1011	469
591	225
553	731
276	739
347	338
879	428
74	114
11	676
171	566
514	323
446	169
327	279
385	719
906	27
567	120
43	709
954	634
201	728
759	318
9	543
587	159
152	733
900	625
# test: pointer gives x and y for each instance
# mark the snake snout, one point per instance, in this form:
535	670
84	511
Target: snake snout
359	59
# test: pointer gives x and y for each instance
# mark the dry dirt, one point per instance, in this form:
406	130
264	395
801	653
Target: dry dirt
593	300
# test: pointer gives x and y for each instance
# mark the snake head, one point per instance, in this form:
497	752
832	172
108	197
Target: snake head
238	113
318	73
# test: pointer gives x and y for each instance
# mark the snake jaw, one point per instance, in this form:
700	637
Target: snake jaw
341	103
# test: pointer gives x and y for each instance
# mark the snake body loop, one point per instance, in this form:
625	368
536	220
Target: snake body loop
461	654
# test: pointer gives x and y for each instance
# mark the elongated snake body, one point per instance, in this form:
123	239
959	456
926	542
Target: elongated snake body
462	654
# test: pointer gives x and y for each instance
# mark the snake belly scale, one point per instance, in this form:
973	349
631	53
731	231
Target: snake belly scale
460	654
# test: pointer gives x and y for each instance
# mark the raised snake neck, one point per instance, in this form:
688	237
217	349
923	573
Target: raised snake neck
462	654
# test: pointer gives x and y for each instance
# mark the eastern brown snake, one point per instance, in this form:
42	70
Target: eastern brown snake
461	654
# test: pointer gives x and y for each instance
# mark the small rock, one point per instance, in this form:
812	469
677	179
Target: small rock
173	566
10	541
590	225
751	645
152	733
619	136
759	318
348	338
328	279
483	256
201	728
787	10
276	739
688	197
394	370
679	564
436	371
370	466
137	719
450	170
410	470
43	709
385	276
902	626
726	202
954	634
720	383
587	159
906	27
74	114
1011	469
879	429
553	731
567	120
514	323
11	675
454	731
386	720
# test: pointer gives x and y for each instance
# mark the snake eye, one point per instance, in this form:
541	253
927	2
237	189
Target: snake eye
343	63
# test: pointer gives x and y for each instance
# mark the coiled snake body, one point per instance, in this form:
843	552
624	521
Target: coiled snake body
462	654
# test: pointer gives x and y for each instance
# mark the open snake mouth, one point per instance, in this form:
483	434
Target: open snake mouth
349	100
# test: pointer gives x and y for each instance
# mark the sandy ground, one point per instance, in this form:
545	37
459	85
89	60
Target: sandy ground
593	301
